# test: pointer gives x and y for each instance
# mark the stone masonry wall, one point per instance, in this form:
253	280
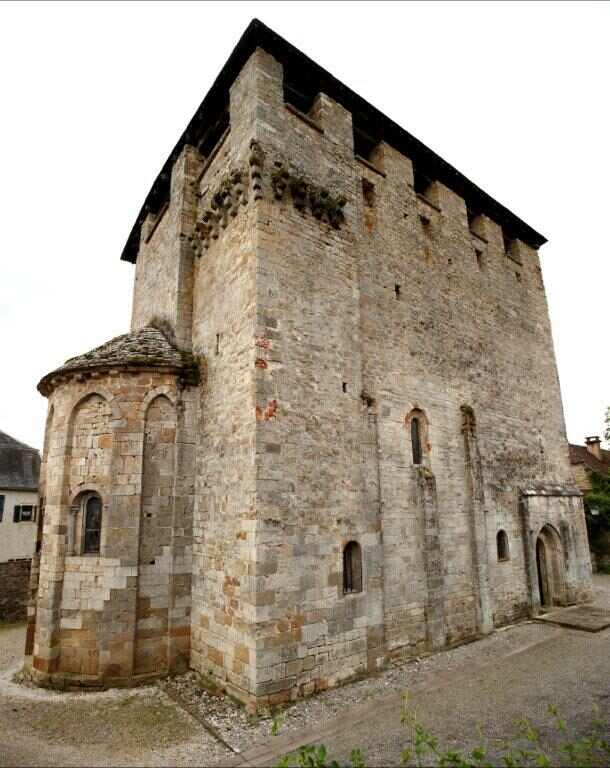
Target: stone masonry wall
314	456
90	611
400	307
223	331
14	592
163	287
333	305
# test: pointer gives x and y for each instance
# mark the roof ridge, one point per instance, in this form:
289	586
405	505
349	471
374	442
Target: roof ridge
257	34
10	440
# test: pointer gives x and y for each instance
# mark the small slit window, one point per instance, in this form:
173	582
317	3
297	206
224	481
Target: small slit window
502	546
416	440
352	568
92	525
368	192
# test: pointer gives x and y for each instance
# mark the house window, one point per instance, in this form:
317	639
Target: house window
1	508
93	525
352	568
416	440
24	513
502	546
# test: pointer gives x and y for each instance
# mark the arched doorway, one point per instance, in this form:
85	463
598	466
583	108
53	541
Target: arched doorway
549	567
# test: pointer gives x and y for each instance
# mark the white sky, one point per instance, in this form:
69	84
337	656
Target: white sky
94	96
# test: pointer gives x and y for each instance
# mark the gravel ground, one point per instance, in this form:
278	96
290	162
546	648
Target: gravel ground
242	731
488	681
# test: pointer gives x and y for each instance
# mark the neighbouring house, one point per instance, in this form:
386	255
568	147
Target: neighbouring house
19	471
588	459
333	434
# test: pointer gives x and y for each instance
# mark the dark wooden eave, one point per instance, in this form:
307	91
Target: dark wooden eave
304	76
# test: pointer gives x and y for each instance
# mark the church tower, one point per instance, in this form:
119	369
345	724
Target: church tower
334	433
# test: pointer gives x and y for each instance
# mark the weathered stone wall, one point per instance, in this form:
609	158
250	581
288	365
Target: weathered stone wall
557	516
90	608
156	529
163	283
333	304
14	589
225	511
356	326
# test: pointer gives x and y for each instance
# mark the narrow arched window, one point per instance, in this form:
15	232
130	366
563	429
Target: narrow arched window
502	546
92	525
352	568
416	440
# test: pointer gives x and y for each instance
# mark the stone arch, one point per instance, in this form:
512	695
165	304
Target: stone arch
416	424
352	568
155	536
76	521
45	459
89	443
502	546
163	391
550	567
95	388
47	432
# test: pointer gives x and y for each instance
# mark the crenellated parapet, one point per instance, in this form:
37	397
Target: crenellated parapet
280	179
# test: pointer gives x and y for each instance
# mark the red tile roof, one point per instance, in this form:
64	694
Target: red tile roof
579	454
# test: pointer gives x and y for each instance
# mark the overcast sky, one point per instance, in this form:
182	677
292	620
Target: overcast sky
94	97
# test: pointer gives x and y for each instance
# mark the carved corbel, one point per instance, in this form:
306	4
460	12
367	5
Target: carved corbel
238	192
279	180
256	162
299	189
221	203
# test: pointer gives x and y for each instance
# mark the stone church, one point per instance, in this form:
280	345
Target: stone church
334	433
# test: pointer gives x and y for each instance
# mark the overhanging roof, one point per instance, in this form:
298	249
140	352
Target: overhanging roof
307	76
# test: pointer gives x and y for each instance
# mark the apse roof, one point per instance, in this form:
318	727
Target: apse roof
305	76
147	347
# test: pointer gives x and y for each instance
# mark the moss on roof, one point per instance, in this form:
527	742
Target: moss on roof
148	347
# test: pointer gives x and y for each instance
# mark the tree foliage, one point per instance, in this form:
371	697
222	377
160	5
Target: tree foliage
597	504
